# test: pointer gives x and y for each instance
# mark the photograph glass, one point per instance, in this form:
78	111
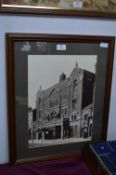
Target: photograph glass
60	107
58	94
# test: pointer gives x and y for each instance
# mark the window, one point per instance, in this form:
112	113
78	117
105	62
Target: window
85	117
74	104
72	117
74	84
39	115
65	111
75	117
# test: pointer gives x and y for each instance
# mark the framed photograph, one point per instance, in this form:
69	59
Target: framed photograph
86	8
58	94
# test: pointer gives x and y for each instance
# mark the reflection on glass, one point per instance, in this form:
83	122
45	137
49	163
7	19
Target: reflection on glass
100	5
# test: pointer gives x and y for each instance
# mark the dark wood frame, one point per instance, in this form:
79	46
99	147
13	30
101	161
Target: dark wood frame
65	12
11	38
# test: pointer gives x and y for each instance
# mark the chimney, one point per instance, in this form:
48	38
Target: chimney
62	77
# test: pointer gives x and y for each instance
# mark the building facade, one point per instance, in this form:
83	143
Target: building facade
59	109
32	124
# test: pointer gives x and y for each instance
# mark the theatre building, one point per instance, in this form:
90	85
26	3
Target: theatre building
60	108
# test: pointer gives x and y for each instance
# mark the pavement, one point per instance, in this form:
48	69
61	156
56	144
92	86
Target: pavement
38	143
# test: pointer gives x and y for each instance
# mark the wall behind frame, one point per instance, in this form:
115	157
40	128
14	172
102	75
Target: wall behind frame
52	25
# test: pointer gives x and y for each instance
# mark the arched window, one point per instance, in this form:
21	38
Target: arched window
75	117
74	84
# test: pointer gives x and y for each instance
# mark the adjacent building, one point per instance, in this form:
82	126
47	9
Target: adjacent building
32	124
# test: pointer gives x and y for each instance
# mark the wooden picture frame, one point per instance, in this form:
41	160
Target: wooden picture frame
83	8
51	117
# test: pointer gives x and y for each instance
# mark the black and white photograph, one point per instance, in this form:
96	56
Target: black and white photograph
61	91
